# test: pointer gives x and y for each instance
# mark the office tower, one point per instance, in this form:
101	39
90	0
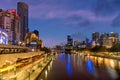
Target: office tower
114	37
23	13
95	36
104	36
69	41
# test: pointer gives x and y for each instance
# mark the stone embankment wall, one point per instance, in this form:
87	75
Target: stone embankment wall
13	57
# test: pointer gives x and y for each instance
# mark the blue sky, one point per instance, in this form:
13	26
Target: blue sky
55	19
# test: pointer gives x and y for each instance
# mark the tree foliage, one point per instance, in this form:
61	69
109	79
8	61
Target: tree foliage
115	48
98	49
47	50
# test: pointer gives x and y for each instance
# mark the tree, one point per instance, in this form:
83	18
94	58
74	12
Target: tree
115	48
99	49
47	50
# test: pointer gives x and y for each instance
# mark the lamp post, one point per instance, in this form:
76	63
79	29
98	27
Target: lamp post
15	69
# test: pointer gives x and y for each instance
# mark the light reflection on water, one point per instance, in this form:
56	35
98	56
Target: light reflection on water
111	65
91	62
75	64
98	61
68	65
90	66
61	56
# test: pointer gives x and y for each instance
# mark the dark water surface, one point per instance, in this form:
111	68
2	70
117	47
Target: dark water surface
77	67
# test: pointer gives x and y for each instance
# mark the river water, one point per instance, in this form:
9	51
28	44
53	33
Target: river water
80	67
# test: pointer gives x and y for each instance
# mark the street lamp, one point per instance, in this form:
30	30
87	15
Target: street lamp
15	68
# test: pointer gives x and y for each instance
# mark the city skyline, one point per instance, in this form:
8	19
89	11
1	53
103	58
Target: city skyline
56	19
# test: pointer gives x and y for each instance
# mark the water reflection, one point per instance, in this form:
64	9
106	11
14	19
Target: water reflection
61	56
90	66
68	65
111	65
105	62
46	73
112	73
81	67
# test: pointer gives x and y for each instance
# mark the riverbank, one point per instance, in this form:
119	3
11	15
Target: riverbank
12	58
28	72
39	70
106	55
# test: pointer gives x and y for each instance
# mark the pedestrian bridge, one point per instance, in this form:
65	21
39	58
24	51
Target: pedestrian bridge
13	49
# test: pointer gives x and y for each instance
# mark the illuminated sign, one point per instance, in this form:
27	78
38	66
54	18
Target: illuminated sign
12	11
33	43
3	37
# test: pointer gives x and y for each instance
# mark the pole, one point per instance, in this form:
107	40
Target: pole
15	69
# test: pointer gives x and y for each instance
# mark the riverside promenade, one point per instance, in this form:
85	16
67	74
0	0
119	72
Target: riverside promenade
12	58
26	72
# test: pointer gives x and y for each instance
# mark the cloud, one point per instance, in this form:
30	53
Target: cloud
77	20
116	4
49	11
116	21
103	8
106	7
61	9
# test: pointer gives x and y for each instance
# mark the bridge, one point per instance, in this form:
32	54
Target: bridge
13	49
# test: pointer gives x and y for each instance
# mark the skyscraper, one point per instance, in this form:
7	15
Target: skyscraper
95	36
23	13
69	40
114	37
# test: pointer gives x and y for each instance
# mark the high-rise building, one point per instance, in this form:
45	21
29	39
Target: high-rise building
108	40
103	37
107	43
114	37
95	36
2	13
9	21
23	13
17	28
69	41
15	24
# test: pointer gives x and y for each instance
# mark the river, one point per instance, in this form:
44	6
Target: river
80	67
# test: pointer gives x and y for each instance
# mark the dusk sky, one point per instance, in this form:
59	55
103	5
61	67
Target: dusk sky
55	19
